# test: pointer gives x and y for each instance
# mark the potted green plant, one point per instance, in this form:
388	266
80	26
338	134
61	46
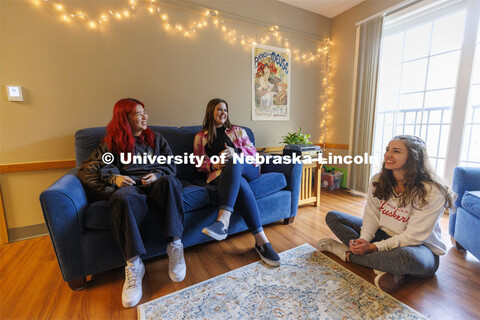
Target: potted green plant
296	138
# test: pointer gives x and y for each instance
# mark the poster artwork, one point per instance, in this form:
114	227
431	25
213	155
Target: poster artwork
271	68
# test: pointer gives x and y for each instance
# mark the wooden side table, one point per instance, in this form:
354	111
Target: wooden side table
309	191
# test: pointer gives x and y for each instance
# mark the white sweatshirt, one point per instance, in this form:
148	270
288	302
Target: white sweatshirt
407	226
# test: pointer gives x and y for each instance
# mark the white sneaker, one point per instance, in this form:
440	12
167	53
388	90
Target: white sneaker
132	288
335	247
176	263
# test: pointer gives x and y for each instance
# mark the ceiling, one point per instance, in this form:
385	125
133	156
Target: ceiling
327	8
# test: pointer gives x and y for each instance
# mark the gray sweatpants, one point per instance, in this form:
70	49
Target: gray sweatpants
418	261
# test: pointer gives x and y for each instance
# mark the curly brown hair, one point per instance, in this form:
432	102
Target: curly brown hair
417	172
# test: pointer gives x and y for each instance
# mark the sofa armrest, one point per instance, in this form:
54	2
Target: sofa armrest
293	175
62	204
465	179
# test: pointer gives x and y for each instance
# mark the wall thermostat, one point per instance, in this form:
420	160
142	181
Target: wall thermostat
14	93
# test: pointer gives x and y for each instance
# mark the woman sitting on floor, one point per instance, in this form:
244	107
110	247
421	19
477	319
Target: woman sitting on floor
218	137
400	233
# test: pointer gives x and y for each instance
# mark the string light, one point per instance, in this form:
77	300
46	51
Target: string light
327	91
212	15
323	51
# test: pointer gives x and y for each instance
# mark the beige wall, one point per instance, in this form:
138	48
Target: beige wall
71	77
343	59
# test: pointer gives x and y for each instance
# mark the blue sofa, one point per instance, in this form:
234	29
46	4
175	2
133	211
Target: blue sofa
464	221
80	228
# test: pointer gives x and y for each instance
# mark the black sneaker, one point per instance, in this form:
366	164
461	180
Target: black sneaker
268	254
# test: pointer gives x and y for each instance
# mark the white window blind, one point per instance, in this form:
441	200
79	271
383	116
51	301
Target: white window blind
423	52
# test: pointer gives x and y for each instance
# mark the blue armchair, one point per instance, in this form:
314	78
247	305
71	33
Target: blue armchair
80	230
464	223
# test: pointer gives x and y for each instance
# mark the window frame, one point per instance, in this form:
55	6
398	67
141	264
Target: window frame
460	104
424	12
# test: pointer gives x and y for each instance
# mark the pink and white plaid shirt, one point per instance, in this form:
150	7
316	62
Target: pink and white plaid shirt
239	139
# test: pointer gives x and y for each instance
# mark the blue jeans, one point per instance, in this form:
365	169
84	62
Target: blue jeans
418	261
234	189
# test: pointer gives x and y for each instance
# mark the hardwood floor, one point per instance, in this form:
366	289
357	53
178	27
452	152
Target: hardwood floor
31	286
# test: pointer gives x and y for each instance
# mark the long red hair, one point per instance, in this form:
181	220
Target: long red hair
119	136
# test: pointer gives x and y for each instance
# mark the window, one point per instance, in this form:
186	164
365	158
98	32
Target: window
418	83
470	155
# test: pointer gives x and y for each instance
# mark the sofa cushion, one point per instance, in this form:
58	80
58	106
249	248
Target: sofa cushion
86	141
267	184
471	202
180	141
96	217
194	197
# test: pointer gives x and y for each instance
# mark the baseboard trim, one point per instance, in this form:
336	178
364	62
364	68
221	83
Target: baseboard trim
23	233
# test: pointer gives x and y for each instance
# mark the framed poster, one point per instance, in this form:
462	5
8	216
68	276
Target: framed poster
271	68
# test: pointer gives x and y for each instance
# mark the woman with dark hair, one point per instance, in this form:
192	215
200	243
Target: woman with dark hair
218	137
400	232
136	187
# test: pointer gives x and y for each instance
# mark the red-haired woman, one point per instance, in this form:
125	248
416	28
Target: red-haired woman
217	137
137	186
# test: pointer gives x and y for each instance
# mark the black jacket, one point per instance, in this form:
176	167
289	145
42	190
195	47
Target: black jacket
99	178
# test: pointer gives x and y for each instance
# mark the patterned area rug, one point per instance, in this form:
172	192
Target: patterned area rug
308	285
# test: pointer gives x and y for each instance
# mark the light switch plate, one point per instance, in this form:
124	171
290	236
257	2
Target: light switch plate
14	93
